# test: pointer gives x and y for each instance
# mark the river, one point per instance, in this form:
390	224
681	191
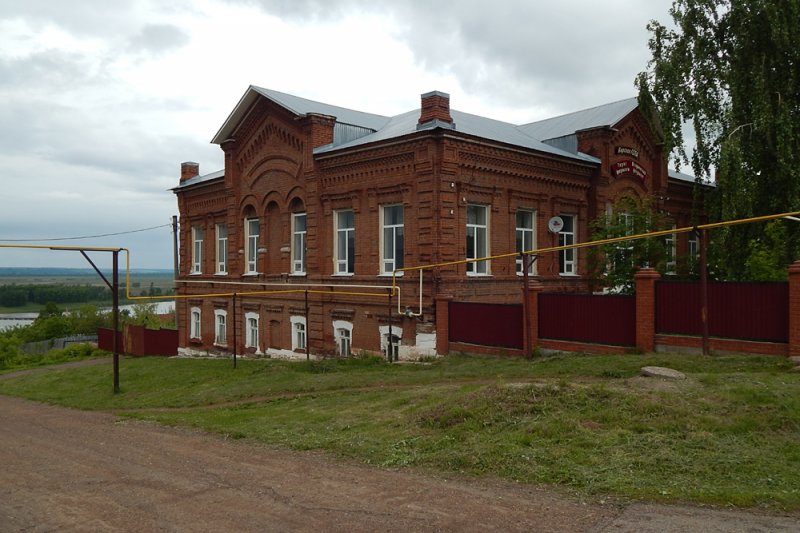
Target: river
10	320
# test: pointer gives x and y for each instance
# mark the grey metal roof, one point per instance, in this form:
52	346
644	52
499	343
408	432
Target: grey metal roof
298	106
595	117
672	173
301	106
201	179
466	123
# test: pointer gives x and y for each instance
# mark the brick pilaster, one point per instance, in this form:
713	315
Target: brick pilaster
794	309
443	324
646	308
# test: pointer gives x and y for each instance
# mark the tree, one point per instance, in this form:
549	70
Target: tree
613	266
731	69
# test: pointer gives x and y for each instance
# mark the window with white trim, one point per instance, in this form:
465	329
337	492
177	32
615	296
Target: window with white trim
390	342
526	238
222	248
392	238
298	332
251	330
477	239
567	259
298	243
345	242
343	335
693	252
670	252
220	327
197	250
194	324
251	231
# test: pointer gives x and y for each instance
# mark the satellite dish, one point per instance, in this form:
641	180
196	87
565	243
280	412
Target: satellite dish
555	224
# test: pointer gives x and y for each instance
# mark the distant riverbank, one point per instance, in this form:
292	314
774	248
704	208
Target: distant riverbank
11	320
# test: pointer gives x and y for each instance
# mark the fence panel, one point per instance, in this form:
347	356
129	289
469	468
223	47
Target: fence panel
604	319
757	311
486	324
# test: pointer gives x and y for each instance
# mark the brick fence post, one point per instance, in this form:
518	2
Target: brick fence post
531	308
443	324
794	309
646	308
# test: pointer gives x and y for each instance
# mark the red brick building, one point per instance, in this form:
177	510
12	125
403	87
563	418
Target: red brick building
332	201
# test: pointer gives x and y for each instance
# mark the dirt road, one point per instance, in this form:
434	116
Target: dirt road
66	470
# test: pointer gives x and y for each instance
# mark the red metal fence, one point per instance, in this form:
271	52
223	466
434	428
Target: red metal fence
137	340
756	311
486	324
609	319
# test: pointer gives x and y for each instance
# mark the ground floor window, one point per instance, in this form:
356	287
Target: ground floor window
220	327
298	332
251	330
194	326
343	334
390	341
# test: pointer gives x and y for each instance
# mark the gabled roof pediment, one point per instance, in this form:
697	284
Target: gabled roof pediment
299	107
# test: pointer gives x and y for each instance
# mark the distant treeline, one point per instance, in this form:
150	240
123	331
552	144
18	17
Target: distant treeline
20	295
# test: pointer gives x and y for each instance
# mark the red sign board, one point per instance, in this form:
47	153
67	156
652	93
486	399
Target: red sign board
628	167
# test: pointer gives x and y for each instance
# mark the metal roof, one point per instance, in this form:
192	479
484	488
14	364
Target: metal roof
200	179
298	106
595	117
672	173
465	123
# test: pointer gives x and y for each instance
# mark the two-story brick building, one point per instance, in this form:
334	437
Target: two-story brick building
318	205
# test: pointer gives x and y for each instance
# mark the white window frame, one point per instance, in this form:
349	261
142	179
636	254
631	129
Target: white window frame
222	248
197	250
530	233
343	335
568	259
220	327
670	242
195	323
299	332
693	250
251	245
343	264
397	332
251	330
299	244
478	268
395	233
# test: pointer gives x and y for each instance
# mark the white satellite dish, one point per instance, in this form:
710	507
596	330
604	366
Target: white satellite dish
555	224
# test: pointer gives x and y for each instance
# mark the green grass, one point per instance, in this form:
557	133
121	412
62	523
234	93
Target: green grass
728	435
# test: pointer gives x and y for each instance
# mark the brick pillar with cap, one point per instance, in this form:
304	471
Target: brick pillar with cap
645	280
794	309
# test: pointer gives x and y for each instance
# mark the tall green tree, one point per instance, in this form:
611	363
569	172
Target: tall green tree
731	70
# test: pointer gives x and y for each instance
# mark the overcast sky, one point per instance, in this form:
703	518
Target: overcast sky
102	100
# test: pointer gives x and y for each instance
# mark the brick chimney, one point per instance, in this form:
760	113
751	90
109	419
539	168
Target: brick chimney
320	128
435	106
189	169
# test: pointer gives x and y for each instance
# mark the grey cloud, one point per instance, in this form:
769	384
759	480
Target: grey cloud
522	52
158	38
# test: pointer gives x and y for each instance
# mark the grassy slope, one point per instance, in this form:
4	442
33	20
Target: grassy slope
727	435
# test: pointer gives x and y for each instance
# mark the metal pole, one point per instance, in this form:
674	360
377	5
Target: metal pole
527	312
308	352
389	340
115	314
234	330
175	263
704	289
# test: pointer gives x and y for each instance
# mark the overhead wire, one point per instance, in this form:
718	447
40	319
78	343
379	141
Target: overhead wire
88	236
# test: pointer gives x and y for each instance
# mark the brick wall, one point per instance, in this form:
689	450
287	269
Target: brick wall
271	173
